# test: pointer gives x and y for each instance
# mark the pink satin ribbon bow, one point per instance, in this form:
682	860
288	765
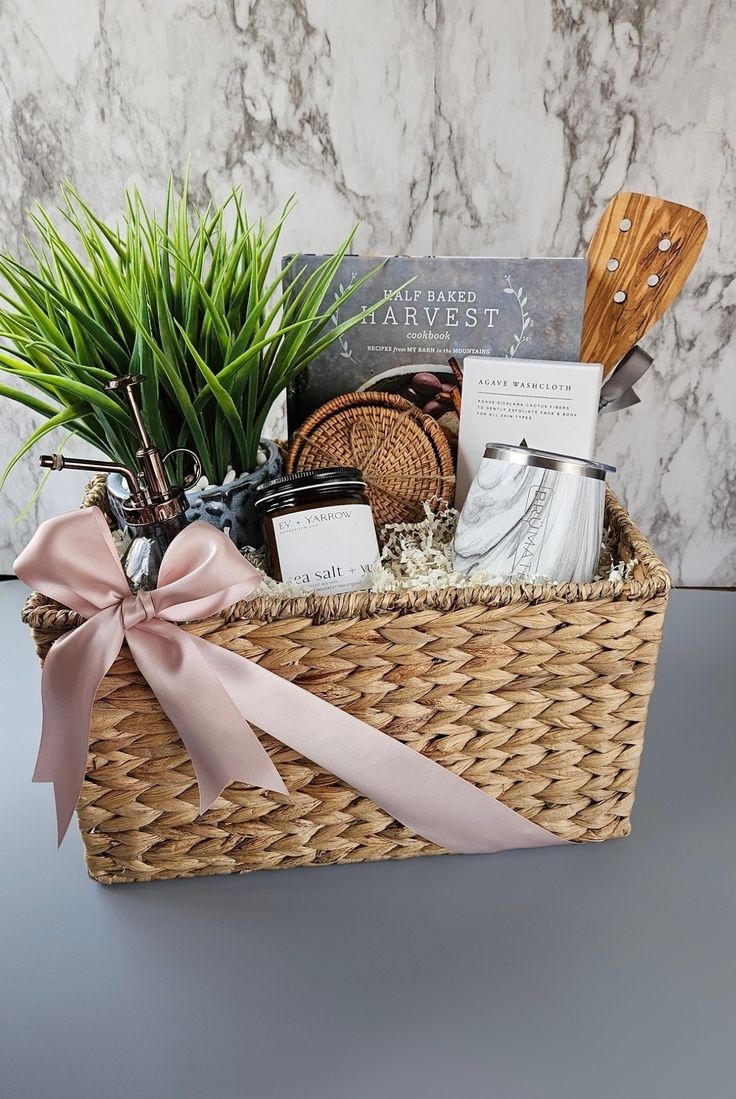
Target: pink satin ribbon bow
206	690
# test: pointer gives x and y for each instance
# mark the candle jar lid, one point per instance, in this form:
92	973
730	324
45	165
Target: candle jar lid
547	459
319	482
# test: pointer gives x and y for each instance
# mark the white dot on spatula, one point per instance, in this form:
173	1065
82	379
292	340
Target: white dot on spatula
612	265
665	244
619	297
652	280
624	225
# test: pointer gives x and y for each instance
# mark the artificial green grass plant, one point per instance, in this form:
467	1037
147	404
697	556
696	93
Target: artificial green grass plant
189	300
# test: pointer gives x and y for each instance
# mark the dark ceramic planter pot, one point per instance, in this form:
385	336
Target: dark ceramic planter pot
227	507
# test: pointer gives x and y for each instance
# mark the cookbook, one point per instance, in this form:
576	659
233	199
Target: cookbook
440	307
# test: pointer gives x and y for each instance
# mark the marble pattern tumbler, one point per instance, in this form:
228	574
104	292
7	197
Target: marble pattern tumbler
532	514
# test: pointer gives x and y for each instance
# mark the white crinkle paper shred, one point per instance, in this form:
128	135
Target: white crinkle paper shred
415	557
418	557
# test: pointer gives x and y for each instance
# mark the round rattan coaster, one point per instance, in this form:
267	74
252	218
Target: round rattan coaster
403	453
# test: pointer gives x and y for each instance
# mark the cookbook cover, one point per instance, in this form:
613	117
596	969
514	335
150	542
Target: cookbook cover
512	308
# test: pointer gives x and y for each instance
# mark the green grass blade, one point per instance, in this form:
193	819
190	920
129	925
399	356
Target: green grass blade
184	400
61	418
104	340
225	402
28	399
42	483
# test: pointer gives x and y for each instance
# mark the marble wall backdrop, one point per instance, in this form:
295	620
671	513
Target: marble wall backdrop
472	127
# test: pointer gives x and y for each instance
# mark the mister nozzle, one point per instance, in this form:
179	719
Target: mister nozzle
58	461
51	461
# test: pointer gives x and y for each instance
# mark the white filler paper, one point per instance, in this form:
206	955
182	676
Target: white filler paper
525	402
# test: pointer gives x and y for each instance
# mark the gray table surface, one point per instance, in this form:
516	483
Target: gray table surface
602	970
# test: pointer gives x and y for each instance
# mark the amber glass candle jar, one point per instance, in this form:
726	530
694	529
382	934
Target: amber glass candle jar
318	529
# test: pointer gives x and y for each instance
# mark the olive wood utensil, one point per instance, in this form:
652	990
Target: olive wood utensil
639	259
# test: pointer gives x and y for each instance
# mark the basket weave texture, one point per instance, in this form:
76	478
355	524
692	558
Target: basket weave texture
402	453
538	694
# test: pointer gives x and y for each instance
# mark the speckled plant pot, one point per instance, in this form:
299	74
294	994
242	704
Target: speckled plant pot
227	507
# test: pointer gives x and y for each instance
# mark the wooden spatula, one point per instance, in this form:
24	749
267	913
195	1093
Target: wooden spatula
640	256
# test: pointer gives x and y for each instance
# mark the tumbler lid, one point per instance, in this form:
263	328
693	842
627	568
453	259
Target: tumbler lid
547	459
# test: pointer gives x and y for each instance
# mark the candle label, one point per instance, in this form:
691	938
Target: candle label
331	549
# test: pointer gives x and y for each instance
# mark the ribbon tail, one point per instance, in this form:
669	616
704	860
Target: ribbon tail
430	799
72	672
213	727
617	391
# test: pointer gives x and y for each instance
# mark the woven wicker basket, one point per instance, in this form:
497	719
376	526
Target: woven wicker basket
536	693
